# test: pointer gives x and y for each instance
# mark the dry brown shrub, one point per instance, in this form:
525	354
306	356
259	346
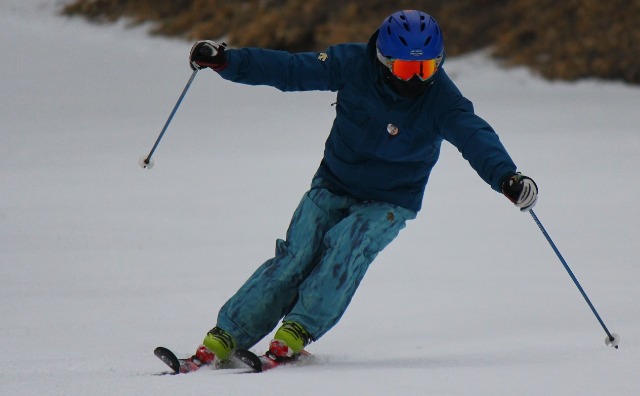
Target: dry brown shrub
567	39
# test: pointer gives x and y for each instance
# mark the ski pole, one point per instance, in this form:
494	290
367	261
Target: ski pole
146	162
612	339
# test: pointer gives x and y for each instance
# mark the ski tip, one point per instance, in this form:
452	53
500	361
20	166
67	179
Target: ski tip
162	351
168	358
250	359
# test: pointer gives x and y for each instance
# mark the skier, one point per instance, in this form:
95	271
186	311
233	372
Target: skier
395	106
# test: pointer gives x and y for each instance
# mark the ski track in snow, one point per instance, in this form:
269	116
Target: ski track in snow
101	261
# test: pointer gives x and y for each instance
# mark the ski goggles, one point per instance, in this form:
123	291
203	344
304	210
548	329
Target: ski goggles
406	69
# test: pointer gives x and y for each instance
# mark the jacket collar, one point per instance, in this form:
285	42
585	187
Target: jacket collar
375	69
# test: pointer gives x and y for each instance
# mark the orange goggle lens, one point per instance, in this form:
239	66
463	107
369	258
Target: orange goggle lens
406	69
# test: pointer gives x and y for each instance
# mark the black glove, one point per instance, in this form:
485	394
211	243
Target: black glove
521	190
207	53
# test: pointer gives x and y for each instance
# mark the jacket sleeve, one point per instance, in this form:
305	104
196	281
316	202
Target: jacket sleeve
305	71
472	136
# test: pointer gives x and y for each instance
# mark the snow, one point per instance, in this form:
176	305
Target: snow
101	261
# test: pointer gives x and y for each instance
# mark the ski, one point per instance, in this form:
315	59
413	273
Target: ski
252	360
241	358
267	361
168	358
188	365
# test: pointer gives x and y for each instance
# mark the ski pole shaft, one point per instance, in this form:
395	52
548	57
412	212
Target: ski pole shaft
173	112
573	277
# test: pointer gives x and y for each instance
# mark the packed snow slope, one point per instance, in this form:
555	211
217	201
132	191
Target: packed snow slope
101	261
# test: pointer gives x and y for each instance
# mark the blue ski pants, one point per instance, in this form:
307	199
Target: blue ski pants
329	245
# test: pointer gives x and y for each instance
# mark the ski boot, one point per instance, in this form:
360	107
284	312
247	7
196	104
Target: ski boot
288	343
217	348
220	343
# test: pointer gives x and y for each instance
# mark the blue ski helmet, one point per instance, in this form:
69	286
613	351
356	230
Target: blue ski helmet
410	35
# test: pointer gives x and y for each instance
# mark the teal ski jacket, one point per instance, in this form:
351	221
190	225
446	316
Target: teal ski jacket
382	146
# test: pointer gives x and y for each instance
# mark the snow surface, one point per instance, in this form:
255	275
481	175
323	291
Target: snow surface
101	261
